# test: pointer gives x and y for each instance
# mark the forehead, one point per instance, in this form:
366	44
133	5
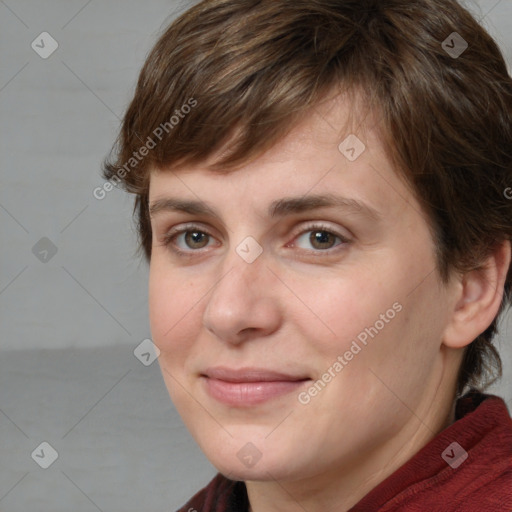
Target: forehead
336	148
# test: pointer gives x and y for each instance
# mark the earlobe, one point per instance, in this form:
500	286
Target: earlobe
479	298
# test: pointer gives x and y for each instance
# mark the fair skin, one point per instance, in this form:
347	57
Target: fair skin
299	305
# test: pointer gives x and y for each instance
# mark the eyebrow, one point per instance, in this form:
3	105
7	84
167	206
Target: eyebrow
279	208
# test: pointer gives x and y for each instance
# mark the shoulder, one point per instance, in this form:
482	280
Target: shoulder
466	468
484	479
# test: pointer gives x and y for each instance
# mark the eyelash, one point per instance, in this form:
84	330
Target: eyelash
168	239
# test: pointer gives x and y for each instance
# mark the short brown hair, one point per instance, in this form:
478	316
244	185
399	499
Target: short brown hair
254	69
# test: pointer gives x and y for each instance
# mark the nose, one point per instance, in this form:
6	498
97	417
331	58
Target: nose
243	304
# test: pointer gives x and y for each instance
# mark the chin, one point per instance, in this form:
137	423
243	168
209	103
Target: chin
261	460
261	472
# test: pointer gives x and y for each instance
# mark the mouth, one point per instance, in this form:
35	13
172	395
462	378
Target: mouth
247	387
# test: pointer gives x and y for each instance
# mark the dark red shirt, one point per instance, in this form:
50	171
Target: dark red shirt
466	468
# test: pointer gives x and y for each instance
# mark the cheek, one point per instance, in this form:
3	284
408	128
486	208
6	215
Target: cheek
372	316
171	313
336	309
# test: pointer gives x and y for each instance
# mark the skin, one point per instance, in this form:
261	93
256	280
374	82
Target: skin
299	306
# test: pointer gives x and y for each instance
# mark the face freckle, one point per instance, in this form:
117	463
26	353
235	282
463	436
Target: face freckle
270	342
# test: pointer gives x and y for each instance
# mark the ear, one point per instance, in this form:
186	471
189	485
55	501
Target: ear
478	298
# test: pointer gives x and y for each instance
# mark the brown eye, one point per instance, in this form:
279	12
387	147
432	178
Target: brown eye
322	239
196	239
187	240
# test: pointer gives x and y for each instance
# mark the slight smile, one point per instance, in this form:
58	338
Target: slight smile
247	387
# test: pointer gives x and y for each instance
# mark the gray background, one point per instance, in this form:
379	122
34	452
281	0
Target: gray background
70	321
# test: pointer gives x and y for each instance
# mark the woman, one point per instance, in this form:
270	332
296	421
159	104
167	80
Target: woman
320	189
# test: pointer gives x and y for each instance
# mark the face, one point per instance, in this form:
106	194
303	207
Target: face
297	307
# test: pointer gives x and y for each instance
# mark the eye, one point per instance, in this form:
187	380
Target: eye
186	239
189	239
195	239
321	238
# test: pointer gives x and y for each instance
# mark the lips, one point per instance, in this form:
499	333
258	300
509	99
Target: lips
247	387
250	375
